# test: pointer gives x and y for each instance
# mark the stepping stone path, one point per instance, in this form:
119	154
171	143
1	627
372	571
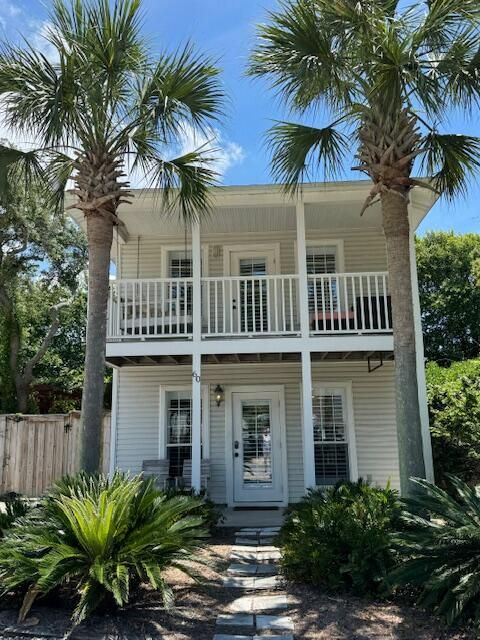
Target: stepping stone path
252	571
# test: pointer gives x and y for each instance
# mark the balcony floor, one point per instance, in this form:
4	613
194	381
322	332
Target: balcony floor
249	358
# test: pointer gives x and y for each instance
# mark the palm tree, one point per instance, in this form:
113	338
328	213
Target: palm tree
382	77
105	107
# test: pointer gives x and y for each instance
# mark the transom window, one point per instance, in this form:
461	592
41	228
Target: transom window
330	436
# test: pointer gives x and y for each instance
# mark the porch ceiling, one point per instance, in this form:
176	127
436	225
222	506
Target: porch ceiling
253	209
248	358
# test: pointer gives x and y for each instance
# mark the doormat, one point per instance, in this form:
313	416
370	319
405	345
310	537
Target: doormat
256	508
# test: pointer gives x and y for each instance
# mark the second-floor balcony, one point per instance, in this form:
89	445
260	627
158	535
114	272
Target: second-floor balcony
255	306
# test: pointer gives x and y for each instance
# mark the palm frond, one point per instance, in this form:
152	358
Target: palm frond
182	88
21	167
184	181
103	535
452	160
439	549
296	147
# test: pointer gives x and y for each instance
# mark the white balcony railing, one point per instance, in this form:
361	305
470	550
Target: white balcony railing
249	306
150	308
349	303
255	305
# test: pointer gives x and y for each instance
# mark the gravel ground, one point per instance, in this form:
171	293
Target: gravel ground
317	616
193	618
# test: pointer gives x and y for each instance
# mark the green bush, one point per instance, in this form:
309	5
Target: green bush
102	538
339	537
207	509
454	407
439	549
15	507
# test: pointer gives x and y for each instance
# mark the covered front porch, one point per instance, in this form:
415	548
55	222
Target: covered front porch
252	432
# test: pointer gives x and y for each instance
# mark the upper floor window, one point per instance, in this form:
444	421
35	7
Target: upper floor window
321	260
180	264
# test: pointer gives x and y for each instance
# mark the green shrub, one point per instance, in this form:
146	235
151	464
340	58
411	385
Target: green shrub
14	507
339	537
103	539
454	408
439	549
210	512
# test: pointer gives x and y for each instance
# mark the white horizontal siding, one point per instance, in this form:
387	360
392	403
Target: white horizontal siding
374	415
364	250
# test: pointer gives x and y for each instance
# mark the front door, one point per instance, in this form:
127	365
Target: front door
257	442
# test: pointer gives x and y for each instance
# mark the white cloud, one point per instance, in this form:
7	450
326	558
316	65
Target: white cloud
39	41
225	153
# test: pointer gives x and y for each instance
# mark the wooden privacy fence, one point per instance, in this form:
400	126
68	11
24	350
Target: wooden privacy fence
36	450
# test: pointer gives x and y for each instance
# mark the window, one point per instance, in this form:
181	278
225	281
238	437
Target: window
322	292
177	428
181	294
330	436
321	260
180	264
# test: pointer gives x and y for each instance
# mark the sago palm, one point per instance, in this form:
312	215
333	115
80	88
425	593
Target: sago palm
439	549
104	107
379	76
102	538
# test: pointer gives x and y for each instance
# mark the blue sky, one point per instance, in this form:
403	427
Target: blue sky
225	29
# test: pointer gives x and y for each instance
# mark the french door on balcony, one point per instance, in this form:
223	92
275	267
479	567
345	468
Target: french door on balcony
251	304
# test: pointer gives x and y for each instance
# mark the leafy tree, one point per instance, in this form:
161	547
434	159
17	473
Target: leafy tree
105	107
454	407
449	285
380	76
41	256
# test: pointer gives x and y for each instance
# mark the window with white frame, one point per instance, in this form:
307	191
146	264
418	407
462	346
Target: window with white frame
180	264
178	429
330	435
181	294
322	291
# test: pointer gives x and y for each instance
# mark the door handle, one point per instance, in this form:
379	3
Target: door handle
236	444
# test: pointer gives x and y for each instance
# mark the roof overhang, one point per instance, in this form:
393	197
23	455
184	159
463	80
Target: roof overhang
260	207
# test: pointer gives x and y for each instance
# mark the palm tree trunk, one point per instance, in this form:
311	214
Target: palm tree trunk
99	236
409	432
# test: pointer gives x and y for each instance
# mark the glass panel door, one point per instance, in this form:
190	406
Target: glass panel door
257	442
257	447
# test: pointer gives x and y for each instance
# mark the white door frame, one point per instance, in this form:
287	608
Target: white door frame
162	418
247	250
229	473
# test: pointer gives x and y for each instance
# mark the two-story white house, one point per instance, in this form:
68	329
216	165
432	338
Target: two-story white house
253	352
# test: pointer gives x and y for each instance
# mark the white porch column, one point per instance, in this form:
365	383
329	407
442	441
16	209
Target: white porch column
302	270
113	425
307	422
196	359
421	379
307	413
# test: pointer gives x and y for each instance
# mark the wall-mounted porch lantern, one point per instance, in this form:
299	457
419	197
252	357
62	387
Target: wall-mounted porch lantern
219	395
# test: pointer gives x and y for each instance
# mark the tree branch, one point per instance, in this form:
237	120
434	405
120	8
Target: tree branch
27	374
